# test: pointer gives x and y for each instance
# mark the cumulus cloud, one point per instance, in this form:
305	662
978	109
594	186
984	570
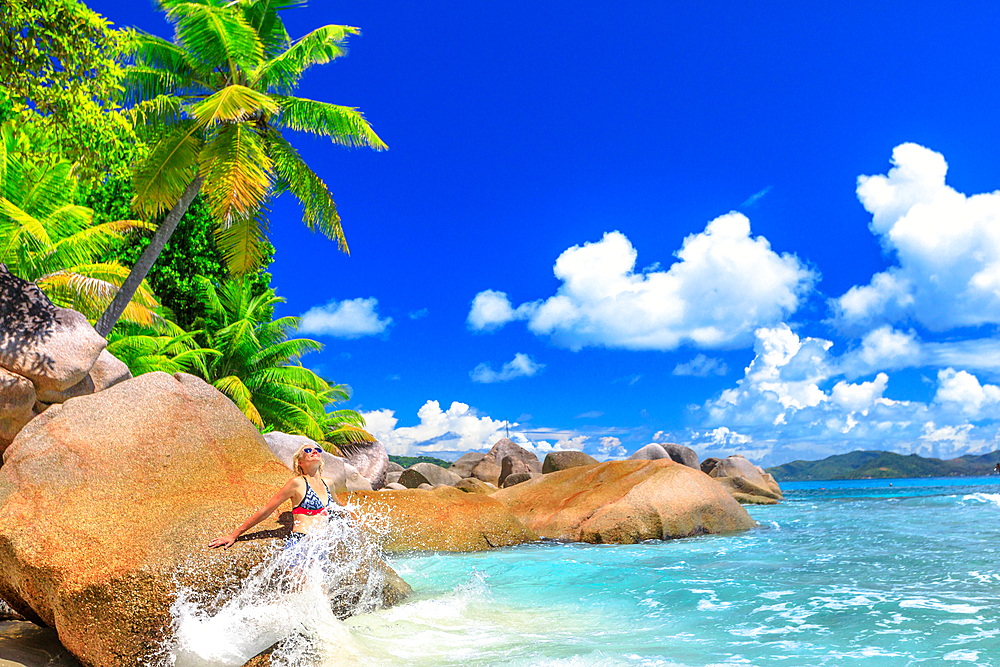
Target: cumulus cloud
793	402
351	318
520	366
946	246
610	448
725	284
702	366
461	428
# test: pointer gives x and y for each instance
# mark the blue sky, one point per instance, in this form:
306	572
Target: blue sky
767	228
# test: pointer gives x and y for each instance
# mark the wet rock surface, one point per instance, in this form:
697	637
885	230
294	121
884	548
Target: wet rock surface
25	644
108	502
623	502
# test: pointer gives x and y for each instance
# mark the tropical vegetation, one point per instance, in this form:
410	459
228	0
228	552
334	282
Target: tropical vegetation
111	135
213	103
48	239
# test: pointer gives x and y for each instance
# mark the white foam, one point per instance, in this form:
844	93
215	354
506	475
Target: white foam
962	656
987	498
285	601
927	603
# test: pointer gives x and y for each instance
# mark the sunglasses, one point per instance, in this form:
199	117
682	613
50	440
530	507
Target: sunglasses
310	450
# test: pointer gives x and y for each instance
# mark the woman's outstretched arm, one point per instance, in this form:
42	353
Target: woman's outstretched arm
281	496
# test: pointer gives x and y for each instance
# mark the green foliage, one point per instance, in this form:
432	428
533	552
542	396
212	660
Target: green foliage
190	253
58	65
212	103
168	349
45	237
259	368
883	465
407	461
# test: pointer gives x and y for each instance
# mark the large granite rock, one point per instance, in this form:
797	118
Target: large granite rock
655	451
17	405
108	502
566	459
465	463
746	482
427	473
489	468
623	502
441	519
370	460
52	350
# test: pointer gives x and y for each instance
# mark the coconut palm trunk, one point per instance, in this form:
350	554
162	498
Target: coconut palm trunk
149	256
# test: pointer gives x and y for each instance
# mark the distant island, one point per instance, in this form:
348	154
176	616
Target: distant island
407	461
884	465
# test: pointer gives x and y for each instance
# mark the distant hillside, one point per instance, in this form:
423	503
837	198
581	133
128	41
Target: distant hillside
883	465
407	461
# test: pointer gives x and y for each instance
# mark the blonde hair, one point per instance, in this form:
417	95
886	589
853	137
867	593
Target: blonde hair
297	459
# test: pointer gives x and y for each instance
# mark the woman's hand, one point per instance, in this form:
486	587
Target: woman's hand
225	542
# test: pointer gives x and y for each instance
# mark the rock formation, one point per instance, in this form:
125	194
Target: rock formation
746	482
566	459
47	355
466	462
667	450
107	503
369	459
427	473
489	468
623	502
441	519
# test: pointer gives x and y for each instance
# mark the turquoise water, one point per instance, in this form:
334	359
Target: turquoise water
842	573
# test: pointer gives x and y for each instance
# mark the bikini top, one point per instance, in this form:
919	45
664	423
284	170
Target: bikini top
311	504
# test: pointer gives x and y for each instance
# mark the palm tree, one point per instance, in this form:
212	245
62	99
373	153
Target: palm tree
47	239
215	100
258	367
168	348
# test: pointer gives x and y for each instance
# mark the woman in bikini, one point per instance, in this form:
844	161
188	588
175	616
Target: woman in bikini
312	501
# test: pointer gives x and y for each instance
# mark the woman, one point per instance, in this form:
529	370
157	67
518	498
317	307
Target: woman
313	502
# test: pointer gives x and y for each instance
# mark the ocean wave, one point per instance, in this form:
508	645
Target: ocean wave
935	605
987	498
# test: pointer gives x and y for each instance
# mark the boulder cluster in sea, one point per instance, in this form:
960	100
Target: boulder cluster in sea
112	487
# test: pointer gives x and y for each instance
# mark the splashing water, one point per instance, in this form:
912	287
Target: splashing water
293	601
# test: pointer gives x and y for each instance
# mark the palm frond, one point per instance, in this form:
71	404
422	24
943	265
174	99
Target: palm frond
216	36
171	165
319	212
233	387
233	104
157	114
243	242
345	126
141	83
237	174
349	435
318	47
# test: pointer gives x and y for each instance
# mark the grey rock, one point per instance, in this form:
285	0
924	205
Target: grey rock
511	465
564	460
370	458
466	462
746	482
427	473
394	486
394	467
679	453
425	486
708	465
518	478
473	485
392	477
488	469
53	347
17	405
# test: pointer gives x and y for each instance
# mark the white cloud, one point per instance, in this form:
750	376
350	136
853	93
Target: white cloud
946	244
790	404
461	429
725	284
521	366
351	318
702	366
491	310
611	447
963	391
418	314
